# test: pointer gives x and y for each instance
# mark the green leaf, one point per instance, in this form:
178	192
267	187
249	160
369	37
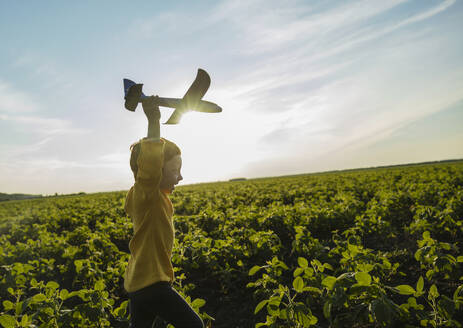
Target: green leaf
283	265
419	286
52	285
412	302
63	294
7	305
318	264
457	292
197	303
297	272
19	307
48	310
429	274
363	278
254	269
460	259
273	309
386	264
24	320
308	272
18	267
312	320
302	262
352	248
298	284
274	300
122	309
81	293
78	264
328	266
346	275
405	289
302	318
7	321
312	289
329	282
433	293
260	306
37	298
99	285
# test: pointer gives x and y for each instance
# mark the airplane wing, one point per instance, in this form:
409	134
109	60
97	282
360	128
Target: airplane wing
175	117
197	90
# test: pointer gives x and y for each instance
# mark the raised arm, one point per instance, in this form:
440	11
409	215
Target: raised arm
151	155
153	115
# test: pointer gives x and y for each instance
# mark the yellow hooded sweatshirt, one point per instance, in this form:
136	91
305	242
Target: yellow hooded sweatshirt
151	212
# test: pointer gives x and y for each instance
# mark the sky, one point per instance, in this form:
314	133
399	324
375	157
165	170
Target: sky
305	86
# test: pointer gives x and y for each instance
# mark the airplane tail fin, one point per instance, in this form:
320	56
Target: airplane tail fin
127	84
132	94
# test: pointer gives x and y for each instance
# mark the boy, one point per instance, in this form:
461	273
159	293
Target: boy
156	165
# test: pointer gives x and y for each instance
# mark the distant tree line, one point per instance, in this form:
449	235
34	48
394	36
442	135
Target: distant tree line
6	197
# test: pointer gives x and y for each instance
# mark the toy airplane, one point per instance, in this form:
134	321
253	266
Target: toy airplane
190	101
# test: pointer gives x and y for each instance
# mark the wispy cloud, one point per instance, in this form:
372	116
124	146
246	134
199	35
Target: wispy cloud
30	130
317	45
267	27
42	125
15	101
428	13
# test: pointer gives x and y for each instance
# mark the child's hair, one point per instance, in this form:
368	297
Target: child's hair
170	150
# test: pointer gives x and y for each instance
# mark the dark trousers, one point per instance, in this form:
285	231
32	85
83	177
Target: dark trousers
160	299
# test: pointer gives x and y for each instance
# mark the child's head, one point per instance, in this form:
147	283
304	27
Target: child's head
171	167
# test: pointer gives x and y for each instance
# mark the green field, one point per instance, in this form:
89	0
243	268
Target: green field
367	248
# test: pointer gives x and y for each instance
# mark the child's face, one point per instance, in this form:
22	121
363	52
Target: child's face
171	173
